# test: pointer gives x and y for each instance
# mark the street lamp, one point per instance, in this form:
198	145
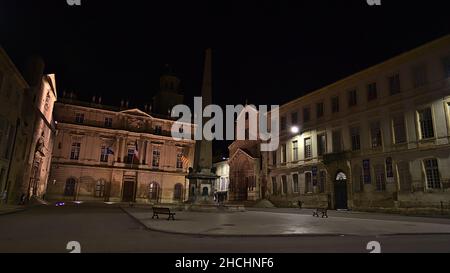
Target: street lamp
295	129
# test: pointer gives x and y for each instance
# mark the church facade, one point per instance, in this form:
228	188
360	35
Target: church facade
376	140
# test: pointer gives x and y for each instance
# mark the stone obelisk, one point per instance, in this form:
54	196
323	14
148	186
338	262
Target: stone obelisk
201	177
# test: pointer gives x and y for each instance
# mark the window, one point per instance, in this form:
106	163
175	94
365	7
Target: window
372	92
100	188
352	98
294	118
308	183
284	184
104	154
274	186
432	174
389	168
274	158
322	181
320	110
426	123
446	63
130	156
79	118
178	192
283	124
321	144
404	176
156	157
283	153
308	148
75	151
158	130
295	150
153	191
419	76
366	172
306	115
108	122
180	160
394	84
356	138
375	135
380	179
399	128
69	188
337	141
335	105
295	185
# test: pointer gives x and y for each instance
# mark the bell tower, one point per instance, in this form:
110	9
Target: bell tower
169	93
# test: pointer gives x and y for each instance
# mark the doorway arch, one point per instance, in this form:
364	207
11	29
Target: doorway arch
340	191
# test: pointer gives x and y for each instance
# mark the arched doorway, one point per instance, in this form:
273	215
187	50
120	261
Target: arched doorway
205	191
340	191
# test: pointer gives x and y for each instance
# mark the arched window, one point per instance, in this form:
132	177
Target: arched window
308	183
341	176
178	192
69	189
296	187
153	192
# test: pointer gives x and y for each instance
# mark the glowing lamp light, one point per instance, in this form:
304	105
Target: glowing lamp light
295	130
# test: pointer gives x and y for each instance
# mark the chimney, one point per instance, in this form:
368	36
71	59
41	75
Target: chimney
121	103
100	100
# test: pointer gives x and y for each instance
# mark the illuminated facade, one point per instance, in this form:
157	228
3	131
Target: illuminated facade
26	129
376	140
108	154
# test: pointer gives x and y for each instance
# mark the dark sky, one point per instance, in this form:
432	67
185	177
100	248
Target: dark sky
264	52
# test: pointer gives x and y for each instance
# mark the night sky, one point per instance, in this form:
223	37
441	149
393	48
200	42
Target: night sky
264	52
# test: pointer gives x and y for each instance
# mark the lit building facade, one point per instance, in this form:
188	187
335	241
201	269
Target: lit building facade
26	129
377	140
107	154
221	184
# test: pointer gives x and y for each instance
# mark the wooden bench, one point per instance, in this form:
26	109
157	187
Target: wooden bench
323	211
166	211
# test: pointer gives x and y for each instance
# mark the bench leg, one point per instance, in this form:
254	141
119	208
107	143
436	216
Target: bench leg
171	217
155	215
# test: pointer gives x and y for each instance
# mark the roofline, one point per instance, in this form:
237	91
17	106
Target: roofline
435	43
123	112
13	67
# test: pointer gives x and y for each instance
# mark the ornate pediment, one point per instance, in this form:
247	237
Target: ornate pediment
136	112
